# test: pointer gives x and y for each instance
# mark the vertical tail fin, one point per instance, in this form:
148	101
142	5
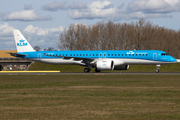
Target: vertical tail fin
22	44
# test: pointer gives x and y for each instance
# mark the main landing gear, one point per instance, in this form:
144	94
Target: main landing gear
157	68
96	70
86	70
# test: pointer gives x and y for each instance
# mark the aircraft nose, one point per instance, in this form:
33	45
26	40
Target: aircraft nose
173	60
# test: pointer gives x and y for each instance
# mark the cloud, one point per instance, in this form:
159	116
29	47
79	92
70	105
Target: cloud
44	38
26	15
6	30
97	9
54	6
155	6
77	5
40	31
136	9
28	7
6	37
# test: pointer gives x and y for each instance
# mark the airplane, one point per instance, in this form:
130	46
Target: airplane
98	59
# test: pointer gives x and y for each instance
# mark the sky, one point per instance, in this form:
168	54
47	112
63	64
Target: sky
42	21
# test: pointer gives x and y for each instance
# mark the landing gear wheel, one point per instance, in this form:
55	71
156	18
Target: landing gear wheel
86	70
96	70
157	70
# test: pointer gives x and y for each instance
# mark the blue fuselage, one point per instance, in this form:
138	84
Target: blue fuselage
127	56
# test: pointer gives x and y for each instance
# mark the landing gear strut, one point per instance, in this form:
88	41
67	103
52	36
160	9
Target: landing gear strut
157	68
86	70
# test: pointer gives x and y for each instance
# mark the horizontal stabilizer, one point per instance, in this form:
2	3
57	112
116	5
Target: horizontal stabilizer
15	54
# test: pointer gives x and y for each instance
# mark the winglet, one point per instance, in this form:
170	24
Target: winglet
22	44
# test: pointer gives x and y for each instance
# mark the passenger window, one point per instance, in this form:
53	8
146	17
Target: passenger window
108	54
96	54
122	55
111	54
86	54
146	54
118	54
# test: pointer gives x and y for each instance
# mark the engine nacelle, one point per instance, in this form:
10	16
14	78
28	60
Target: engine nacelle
105	65
121	67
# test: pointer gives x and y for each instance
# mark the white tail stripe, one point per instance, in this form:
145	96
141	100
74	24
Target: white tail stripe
22	44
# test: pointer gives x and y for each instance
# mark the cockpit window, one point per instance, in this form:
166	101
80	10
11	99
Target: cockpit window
164	54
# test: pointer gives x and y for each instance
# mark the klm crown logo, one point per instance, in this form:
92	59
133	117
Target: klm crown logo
21	40
130	52
104	64
22	43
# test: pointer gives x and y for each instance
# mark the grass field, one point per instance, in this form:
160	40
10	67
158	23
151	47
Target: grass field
90	97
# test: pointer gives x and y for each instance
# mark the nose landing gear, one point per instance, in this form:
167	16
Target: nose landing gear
157	68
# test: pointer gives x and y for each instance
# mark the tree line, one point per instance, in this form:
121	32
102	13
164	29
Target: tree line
140	35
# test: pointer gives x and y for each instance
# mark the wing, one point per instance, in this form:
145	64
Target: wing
74	58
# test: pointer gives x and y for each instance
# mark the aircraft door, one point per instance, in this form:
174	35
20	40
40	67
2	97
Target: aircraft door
39	55
154	56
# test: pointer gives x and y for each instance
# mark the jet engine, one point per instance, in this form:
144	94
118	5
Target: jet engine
121	67
105	65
